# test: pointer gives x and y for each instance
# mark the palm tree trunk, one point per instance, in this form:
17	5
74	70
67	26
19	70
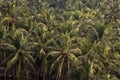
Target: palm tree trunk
27	75
13	73
45	67
37	74
44	74
5	76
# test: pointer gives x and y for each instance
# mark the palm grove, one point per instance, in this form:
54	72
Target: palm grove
59	40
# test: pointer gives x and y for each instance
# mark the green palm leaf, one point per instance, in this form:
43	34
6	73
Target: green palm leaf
28	63
30	58
12	62
74	59
54	63
54	53
18	72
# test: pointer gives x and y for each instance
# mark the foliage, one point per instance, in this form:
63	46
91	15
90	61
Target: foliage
59	40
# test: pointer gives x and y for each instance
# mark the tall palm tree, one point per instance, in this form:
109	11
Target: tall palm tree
41	41
21	59
21	62
64	55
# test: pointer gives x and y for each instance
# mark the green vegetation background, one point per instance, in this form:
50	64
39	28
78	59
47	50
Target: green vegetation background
59	39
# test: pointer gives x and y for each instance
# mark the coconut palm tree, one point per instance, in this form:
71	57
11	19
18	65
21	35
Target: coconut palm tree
65	54
79	41
41	39
20	57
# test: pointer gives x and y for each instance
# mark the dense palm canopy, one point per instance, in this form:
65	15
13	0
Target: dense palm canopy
59	39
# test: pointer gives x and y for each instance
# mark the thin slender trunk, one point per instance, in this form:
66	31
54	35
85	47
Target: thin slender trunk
37	74
27	75
13	73
45	68
44	74
5	76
